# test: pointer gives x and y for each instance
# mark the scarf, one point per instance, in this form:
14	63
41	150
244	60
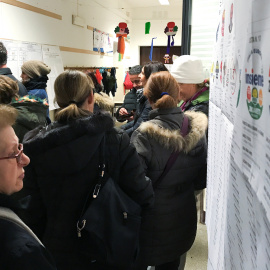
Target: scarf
186	103
37	83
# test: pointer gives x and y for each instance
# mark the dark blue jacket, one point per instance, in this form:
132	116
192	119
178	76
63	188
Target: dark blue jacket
7	72
142	113
18	248
130	104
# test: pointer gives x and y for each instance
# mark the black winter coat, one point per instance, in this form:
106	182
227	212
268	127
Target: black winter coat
142	113
31	114
19	249
64	168
130	103
169	228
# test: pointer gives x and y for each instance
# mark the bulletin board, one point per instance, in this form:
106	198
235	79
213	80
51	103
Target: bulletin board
22	51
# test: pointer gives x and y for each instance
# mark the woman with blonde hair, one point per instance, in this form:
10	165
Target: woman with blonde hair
172	148
65	167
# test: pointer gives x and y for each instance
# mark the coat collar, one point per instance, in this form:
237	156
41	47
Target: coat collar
104	102
57	134
165	124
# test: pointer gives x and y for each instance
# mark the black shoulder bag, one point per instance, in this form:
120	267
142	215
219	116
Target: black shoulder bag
110	222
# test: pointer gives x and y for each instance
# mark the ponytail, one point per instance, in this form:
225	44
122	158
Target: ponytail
72	88
162	90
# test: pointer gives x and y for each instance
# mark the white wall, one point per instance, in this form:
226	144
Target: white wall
20	24
158	17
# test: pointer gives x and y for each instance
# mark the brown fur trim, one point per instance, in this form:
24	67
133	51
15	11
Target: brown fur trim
172	139
104	102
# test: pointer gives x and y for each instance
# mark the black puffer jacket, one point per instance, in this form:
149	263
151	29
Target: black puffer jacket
130	103
19	248
169	228
142	113
63	169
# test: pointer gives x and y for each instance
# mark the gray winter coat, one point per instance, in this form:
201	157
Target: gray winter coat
169	228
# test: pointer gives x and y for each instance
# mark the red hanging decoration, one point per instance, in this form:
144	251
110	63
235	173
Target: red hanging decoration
121	32
170	30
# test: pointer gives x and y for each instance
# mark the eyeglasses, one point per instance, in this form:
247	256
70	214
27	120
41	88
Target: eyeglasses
17	156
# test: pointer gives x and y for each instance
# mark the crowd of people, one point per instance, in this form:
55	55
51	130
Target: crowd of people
157	157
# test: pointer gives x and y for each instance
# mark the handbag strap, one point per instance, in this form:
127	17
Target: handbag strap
93	193
184	128
8	214
101	179
174	155
186	103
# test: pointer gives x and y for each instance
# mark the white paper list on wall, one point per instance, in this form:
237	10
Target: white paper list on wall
21	51
238	188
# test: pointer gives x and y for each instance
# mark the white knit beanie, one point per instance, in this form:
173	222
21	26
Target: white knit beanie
188	69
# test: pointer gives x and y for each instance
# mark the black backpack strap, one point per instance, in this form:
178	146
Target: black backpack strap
174	155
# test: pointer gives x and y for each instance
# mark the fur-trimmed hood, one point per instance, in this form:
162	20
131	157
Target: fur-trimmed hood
165	129
104	102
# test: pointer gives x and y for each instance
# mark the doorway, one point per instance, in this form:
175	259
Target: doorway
158	53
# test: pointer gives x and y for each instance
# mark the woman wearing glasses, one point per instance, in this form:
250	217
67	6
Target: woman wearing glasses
19	247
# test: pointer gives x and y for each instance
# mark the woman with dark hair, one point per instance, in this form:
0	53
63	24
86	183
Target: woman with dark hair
32	110
97	86
102	100
65	167
170	138
149	68
143	106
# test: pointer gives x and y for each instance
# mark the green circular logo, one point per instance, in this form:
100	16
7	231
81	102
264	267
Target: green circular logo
254	84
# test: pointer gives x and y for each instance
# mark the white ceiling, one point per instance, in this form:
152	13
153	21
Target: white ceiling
118	4
137	9
147	3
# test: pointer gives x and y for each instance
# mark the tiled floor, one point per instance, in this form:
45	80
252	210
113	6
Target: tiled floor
198	254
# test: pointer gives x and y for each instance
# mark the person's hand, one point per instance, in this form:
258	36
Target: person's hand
123	111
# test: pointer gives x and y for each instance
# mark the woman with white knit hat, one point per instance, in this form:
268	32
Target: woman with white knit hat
193	88
34	77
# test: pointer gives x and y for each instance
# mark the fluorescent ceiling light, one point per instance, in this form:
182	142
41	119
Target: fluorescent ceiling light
164	2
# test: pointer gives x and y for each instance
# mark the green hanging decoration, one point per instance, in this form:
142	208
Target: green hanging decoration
147	27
